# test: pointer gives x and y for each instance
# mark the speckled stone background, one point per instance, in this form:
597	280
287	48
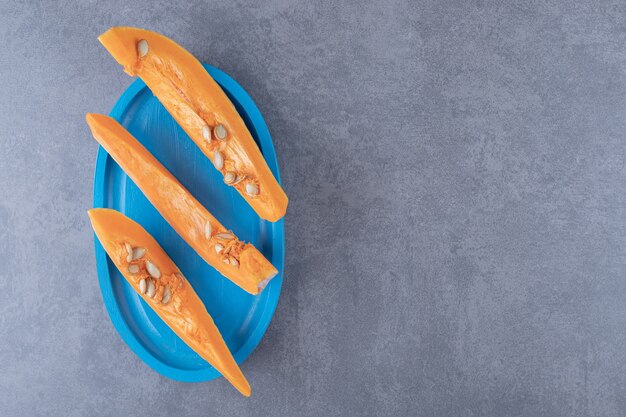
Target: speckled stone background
456	237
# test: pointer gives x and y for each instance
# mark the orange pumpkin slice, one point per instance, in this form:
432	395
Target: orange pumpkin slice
202	109
240	262
155	277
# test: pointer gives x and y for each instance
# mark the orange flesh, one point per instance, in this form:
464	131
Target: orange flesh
195	100
184	313
250	270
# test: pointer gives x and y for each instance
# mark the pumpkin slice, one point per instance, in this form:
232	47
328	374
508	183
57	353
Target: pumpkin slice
202	109
155	277
240	262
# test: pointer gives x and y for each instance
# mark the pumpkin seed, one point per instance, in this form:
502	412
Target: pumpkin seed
252	189
142	286
142	48
225	260
206	133
218	248
224	236
153	270
207	230
167	294
180	279
129	251
151	290
229	177
133	269
138	253
220	132
234	262
218	160
239	178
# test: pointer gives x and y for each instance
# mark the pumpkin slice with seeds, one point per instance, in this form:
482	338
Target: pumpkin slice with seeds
203	110
152	273
240	262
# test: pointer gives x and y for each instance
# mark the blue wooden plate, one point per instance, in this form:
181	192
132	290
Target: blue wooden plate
241	318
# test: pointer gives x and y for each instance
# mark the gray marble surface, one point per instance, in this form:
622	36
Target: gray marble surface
457	229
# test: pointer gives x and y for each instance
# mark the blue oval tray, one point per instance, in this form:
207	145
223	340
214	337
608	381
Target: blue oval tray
241	318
